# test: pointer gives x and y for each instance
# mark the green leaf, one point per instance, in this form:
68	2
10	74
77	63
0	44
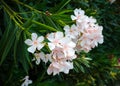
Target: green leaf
64	11
60	6
7	45
22	54
44	26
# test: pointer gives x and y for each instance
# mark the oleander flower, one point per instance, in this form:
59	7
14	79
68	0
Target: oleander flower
54	68
90	38
61	66
79	15
54	39
84	35
26	81
41	56
68	46
71	32
35	43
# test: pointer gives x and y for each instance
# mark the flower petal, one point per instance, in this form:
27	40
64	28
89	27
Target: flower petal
59	35
37	62
40	46
29	81
28	42
72	44
34	36
51	46
50	37
32	49
71	52
40	39
50	70
73	17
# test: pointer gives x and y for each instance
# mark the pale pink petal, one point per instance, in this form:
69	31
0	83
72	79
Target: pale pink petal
71	52
39	46
56	72
51	36
49	70
29	81
40	39
59	35
66	27
73	17
51	46
76	12
65	40
34	36
79	20
67	67
101	40
28	42
71	44
48	56
32	49
43	57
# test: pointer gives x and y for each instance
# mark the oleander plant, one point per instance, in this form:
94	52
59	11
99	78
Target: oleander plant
59	42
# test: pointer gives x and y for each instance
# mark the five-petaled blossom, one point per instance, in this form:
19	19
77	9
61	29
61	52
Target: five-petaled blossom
54	39
26	81
35	43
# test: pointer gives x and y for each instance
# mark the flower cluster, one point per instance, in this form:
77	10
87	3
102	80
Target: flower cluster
84	35
62	53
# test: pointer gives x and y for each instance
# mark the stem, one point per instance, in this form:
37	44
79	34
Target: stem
12	15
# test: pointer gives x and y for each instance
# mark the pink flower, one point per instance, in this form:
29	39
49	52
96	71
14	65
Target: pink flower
68	46
58	54
57	67
54	39
54	68
90	38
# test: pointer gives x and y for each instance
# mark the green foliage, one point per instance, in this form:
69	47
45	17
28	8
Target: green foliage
19	18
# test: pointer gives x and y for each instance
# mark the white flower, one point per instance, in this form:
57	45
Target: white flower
35	43
66	67
79	15
47	58
85	23
26	81
41	56
68	46
58	54
54	68
90	38
54	39
61	66
71	32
